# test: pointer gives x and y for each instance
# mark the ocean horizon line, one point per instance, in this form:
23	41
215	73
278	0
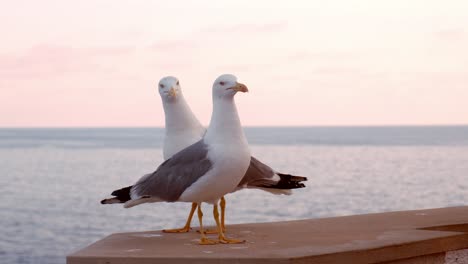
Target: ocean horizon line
247	126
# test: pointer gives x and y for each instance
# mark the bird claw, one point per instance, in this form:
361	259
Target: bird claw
206	241
209	231
177	230
230	241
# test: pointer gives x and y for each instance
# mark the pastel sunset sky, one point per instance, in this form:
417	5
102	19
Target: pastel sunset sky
97	63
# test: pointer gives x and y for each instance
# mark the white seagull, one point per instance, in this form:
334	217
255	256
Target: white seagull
183	129
206	170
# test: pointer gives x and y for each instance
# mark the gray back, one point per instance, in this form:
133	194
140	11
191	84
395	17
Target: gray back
176	174
258	174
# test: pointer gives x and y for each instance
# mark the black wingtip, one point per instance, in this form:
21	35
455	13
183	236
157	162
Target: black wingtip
288	181
120	196
290	177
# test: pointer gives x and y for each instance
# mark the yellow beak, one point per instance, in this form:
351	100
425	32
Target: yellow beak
172	92
239	87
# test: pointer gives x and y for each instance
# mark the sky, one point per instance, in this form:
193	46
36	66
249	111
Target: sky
364	62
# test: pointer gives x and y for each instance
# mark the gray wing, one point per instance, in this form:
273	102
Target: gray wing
176	174
260	175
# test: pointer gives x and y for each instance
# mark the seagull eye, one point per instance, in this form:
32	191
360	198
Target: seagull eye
161	86
222	83
177	83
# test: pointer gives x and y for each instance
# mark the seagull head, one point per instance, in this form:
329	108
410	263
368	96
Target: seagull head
226	86
169	89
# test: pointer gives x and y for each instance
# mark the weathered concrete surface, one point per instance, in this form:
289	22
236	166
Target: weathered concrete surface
372	238
457	257
438	258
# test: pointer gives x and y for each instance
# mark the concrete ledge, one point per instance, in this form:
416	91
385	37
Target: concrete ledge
408	237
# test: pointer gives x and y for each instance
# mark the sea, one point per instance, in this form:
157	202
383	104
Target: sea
52	180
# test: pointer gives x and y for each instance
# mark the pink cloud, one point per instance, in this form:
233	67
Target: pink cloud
328	55
191	42
170	65
337	71
172	55
68	51
46	60
249	28
451	34
440	80
237	68
172	45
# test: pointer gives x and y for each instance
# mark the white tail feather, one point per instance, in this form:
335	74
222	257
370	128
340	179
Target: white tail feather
138	201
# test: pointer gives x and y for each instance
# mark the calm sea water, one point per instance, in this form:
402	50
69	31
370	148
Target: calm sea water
51	180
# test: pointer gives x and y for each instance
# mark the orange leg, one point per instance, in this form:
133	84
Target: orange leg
221	237
222	204
186	228
203	240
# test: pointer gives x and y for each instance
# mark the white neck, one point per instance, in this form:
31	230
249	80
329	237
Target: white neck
179	116
225	123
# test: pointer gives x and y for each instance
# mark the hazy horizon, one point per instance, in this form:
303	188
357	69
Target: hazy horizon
249	126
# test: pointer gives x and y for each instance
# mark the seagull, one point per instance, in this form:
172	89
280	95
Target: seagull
204	171
183	129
